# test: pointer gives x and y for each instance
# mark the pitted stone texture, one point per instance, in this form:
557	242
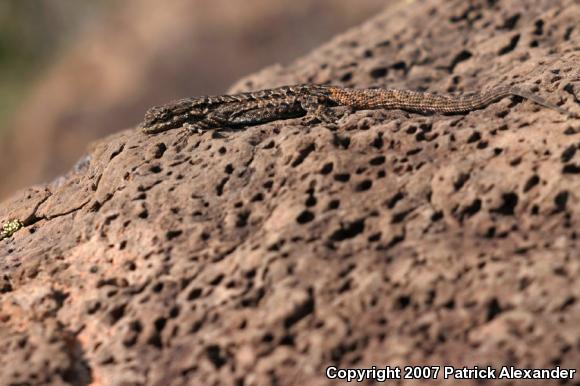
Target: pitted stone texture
262	256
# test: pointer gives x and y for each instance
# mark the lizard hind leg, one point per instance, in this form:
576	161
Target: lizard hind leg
317	110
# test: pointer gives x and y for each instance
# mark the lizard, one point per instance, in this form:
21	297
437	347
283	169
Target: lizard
199	114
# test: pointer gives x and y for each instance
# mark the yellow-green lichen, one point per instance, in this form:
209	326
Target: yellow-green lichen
9	228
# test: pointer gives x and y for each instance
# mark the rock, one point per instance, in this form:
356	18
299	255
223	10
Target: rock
397	240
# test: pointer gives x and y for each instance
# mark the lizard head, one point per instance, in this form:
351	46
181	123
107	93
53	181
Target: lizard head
169	116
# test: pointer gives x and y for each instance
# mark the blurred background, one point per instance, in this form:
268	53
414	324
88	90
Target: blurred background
72	71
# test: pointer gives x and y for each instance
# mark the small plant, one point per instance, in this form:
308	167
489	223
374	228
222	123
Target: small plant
9	228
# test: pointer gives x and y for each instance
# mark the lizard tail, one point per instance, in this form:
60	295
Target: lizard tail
425	102
541	101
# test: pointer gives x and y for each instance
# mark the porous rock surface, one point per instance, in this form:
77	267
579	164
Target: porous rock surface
262	256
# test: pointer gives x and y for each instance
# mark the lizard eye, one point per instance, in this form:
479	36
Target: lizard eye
163	114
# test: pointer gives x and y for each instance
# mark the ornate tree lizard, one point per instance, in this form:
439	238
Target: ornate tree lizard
314	101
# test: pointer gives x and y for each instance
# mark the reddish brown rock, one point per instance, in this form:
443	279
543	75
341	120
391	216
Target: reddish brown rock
239	258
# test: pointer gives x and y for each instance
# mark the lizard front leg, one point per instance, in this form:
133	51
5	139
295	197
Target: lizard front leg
211	121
